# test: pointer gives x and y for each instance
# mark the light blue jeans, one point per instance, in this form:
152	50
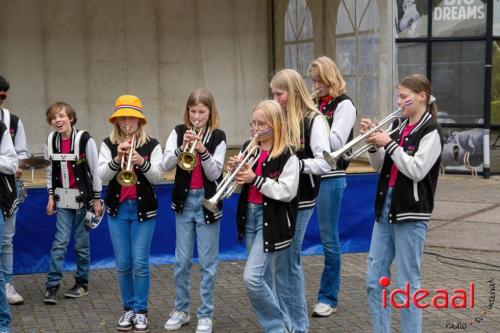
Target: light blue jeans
190	225
290	283
7	246
328	207
405	242
66	220
5	317
131	243
264	301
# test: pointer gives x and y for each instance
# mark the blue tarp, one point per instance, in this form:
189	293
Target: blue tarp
35	230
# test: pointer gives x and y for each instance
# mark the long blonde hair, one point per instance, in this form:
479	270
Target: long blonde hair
329	74
117	136
299	104
275	118
205	97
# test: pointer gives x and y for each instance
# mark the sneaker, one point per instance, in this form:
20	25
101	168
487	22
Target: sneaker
141	323
12	295
50	296
78	290
125	323
176	320
204	325
323	310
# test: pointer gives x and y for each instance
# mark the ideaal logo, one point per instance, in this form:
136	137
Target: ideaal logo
461	298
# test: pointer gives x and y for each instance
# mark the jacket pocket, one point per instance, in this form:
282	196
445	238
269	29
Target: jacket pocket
288	219
312	180
415	191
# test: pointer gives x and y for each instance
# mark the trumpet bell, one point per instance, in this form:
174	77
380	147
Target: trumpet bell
126	178
211	205
186	160
330	159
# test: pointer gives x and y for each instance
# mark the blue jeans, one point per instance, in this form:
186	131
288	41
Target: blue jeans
131	243
328	203
5	317
67	219
6	259
290	284
264	301
405	242
190	225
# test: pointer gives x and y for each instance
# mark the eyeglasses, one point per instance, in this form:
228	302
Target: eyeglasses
257	124
3	96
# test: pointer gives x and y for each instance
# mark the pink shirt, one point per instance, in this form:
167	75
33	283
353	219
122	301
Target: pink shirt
324	101
197	175
128	193
254	195
394	169
66	149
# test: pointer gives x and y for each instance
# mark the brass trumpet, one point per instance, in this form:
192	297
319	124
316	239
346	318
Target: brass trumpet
187	159
228	184
345	152
127	177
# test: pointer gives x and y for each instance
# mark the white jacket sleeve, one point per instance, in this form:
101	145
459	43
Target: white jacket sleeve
152	169
376	158
213	164
285	187
319	142
20	142
169	160
49	170
8	156
93	162
107	167
342	124
416	167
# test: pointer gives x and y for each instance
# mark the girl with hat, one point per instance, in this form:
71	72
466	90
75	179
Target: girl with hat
74	187
192	220
131	205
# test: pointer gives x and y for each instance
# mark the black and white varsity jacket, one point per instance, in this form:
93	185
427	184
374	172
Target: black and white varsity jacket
149	174
83	162
418	162
8	167
278	184
314	140
212	162
340	114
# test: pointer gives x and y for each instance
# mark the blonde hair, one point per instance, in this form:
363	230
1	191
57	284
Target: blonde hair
205	97
117	136
299	104
329	74
275	118
420	83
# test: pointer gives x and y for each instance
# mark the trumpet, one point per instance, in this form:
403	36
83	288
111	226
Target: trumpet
187	159
345	152
127	177
228	184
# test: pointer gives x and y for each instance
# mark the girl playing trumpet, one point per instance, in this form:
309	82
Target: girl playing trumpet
192	220
267	210
131	206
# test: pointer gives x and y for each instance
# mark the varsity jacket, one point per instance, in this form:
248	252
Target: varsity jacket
8	167
278	184
149	174
212	162
418	161
314	140
16	130
84	167
340	114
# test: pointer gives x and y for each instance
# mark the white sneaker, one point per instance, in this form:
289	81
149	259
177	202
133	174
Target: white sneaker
204	325
323	310
176	320
12	295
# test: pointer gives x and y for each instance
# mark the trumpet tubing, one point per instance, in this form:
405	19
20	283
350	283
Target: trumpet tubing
187	159
127	177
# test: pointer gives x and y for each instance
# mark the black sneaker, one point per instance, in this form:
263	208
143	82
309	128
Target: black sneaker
125	323
141	323
79	289
50	296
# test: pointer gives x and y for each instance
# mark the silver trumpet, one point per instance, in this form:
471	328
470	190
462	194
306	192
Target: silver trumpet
344	152
228	184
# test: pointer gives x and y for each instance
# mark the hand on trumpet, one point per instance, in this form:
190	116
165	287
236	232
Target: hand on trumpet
379	138
246	175
190	136
97	207
137	159
122	151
